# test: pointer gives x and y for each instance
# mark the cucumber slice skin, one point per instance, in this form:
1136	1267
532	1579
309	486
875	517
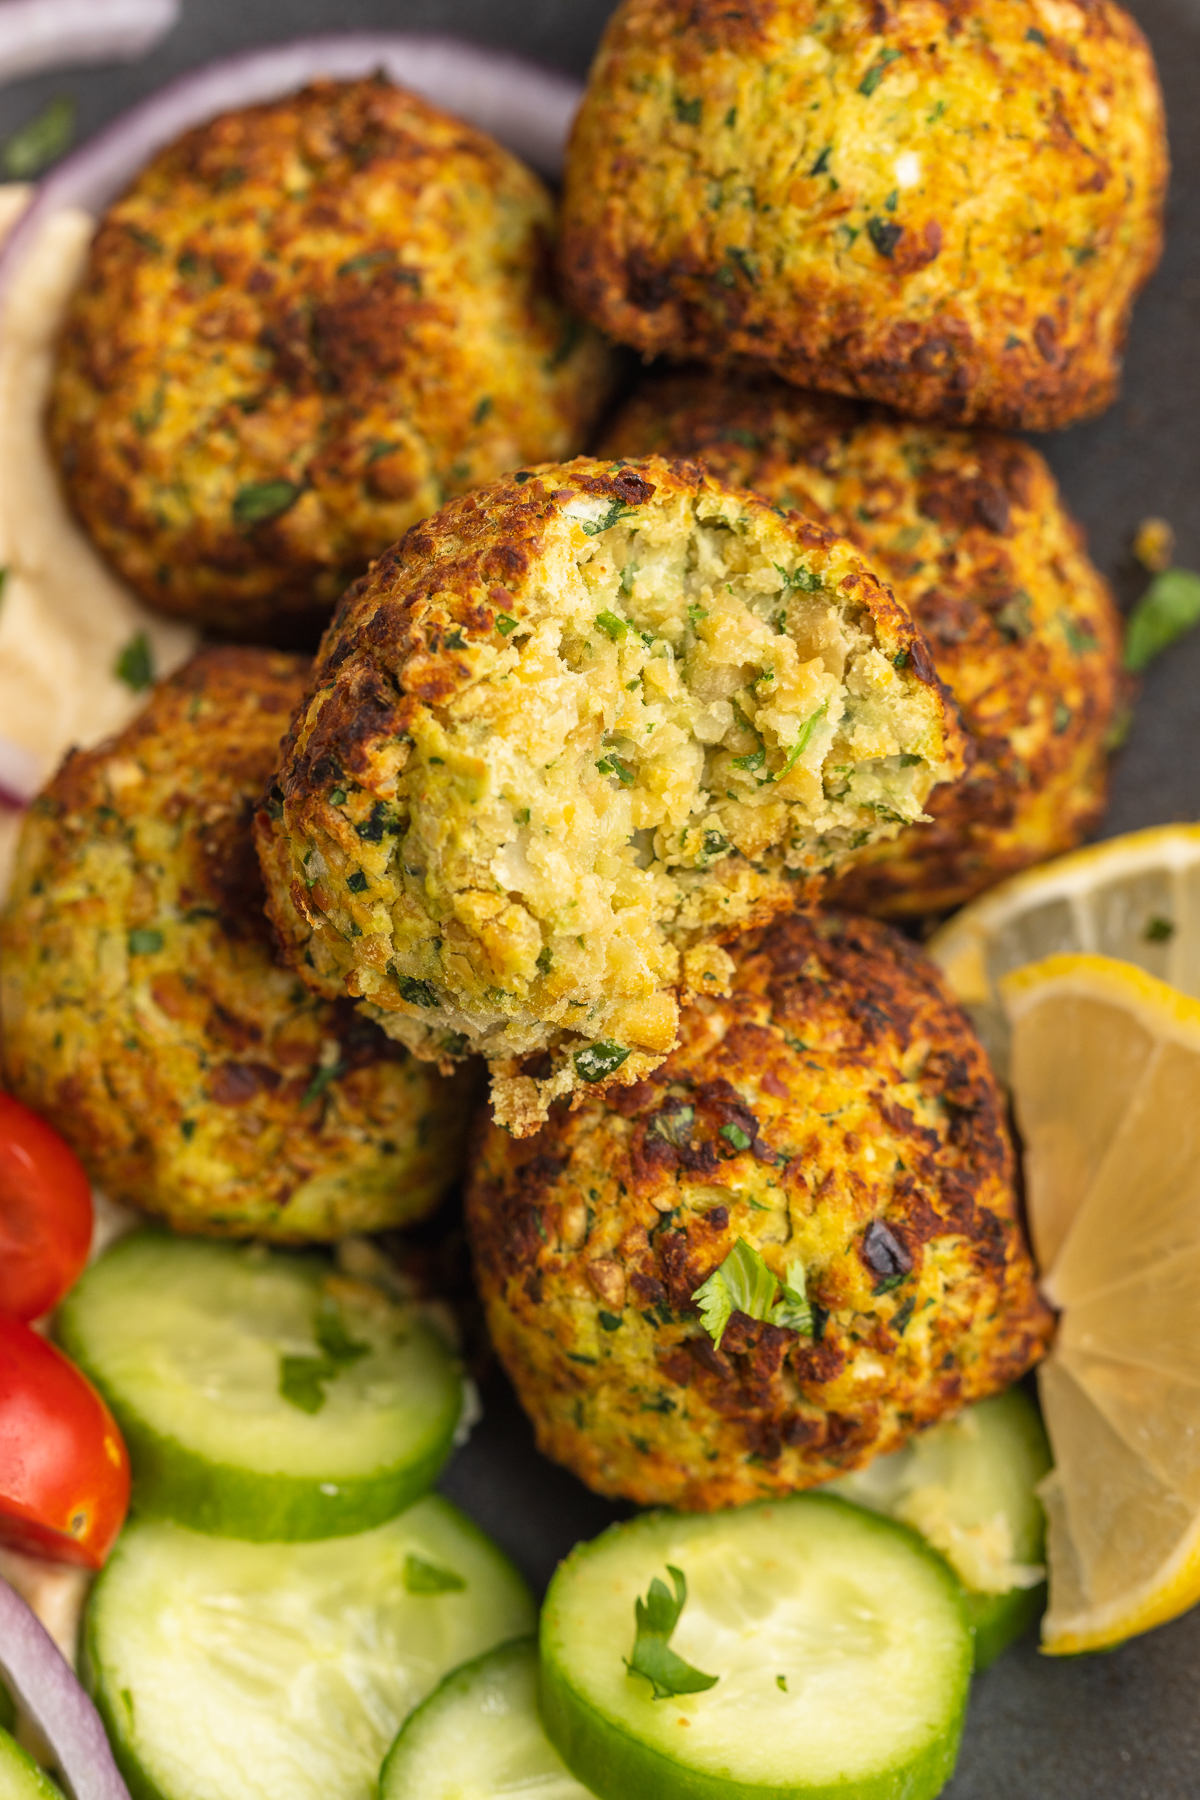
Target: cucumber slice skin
999	1620
172	1482
224	1499
1011	1433
615	1765
469	1709
20	1776
117	1706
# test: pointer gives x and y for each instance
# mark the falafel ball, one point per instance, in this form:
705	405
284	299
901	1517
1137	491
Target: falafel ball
949	208
835	1120
566	735
144	1013
305	325
968	530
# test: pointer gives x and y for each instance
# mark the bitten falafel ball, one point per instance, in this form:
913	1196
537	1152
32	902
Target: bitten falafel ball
144	1013
565	736
968	530
949	208
305	325
822	1168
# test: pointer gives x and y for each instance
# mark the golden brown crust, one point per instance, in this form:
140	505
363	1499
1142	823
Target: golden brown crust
144	1013
948	207
969	530
565	735
305	325
836	1109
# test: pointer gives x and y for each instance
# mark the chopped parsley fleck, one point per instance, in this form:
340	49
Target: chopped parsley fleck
1080	638
1169	607
1158	930
612	626
821	166
612	764
321	1080
597	1060
417	993
39	142
695	614
258	502
884	235
874	74
545	958
733	1134
799	578
483	409
617	511
609	1321
1062	717
687	111
145	941
135	665
357	882
505	624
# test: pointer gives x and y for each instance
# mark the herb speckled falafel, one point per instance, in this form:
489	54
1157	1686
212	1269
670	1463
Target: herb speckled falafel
568	733
144	1013
968	530
837	1112
947	205
305	325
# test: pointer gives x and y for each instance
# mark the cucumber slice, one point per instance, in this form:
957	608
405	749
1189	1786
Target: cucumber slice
232	1671
20	1777
261	1395
969	1487
838	1640
479	1737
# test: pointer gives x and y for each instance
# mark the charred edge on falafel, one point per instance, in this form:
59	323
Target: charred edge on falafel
835	1109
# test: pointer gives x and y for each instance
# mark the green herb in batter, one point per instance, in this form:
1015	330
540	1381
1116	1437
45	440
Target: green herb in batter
1158	930
145	942
874	74
617	511
687	111
802	742
612	626
417	993
884	235
597	1060
612	764
135	665
656	1617
260	501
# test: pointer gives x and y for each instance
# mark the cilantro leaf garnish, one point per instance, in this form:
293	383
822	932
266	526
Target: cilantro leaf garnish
743	1283
1169	607
657	1616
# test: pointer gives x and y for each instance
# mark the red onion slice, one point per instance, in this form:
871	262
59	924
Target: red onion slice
41	1680
20	774
49	34
528	108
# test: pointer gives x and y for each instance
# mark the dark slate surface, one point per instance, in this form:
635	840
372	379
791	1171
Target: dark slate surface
1124	1726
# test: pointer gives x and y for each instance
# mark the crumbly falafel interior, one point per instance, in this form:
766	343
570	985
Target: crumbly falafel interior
686	710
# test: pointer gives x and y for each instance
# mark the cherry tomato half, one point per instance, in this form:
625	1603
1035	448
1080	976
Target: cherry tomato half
45	1213
64	1471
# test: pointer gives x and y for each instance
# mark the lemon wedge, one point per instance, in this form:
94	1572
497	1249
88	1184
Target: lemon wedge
1136	897
1105	1072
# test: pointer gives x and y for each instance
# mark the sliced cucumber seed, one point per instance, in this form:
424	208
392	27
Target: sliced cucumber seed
233	1671
863	1622
479	1737
261	1395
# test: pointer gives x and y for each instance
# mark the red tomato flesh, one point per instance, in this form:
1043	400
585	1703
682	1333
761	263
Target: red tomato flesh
45	1213
64	1470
